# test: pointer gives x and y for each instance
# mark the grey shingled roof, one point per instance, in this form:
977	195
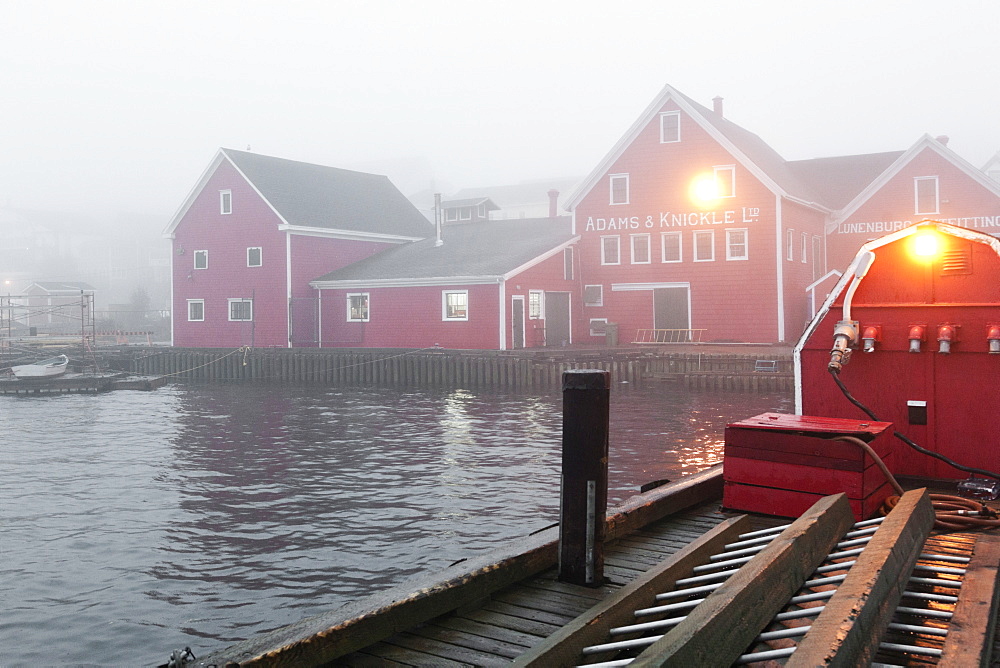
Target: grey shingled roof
838	180
311	195
475	201
477	249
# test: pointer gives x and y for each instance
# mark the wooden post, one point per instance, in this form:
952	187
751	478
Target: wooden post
586	396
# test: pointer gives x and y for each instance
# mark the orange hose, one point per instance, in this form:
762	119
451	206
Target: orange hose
945	506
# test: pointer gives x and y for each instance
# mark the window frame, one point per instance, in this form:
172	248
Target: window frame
790	244
649	248
536	304
450	215
200	253
367	307
710	234
568	263
917	180
721	170
603	332
611	189
663	247
465	213
481	211
618	249
192	302
817	255
239	300
745	244
600	295
804	249
677	133
260	256
225	202
444	306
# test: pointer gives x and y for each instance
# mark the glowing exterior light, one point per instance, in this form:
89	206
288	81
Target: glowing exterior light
704	191
926	245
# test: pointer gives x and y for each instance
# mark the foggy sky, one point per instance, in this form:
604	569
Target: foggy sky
109	106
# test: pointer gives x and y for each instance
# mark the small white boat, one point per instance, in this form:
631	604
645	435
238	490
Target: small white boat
50	368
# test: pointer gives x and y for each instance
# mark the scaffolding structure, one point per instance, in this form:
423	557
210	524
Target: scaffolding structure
26	325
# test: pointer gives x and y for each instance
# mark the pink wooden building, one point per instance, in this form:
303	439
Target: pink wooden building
488	285
256	229
695	227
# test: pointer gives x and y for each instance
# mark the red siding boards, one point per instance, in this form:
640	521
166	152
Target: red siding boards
412	317
732	299
226	237
963	201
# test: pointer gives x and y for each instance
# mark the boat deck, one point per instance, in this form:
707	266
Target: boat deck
497	630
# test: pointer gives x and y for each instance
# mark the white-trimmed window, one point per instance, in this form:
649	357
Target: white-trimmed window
789	245
240	309
482	210
593	295
704	245
925	195
670	127
640	248
805	248
568	264
611	250
817	256
598	326
196	310
725	181
225	202
466	213
451	215
736	245
619	188
200	259
670	246
254	256
357	307
536	304
454	304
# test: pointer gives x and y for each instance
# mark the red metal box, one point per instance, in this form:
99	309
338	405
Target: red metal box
781	464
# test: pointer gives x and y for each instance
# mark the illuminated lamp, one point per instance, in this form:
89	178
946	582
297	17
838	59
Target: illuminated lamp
926	245
704	191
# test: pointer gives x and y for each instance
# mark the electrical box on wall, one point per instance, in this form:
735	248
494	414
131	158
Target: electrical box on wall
780	464
925	350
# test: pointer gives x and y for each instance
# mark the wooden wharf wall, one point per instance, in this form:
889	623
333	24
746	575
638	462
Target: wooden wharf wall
521	370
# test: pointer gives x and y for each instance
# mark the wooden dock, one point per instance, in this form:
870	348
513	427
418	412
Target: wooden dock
80	383
912	598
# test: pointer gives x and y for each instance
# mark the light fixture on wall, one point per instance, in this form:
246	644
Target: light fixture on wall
180	250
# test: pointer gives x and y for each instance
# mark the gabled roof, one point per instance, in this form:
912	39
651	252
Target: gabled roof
472	201
475	253
304	195
838	180
924	143
62	287
747	148
521	194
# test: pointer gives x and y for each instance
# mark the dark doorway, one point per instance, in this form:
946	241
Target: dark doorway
517	322
557	318
670	308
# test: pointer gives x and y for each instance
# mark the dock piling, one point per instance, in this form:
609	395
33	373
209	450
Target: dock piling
584	493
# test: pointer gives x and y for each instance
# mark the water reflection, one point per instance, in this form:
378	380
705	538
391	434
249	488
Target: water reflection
199	515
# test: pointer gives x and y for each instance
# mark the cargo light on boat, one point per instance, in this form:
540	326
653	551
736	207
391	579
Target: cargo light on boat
947	334
871	334
926	245
916	336
993	336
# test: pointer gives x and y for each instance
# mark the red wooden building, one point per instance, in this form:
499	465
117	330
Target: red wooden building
489	285
256	229
693	223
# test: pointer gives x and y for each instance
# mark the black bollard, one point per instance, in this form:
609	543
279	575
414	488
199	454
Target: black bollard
584	502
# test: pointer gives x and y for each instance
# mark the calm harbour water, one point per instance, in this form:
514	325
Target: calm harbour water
136	523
